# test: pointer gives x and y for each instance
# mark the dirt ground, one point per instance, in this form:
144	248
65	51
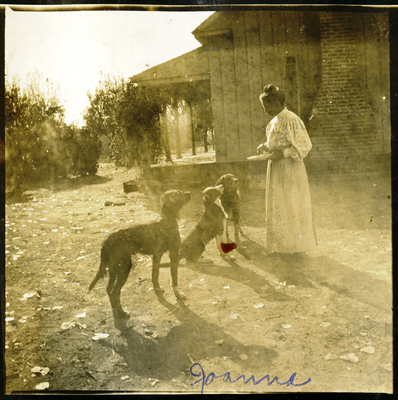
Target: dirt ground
326	320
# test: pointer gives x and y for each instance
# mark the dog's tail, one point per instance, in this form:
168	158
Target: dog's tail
100	274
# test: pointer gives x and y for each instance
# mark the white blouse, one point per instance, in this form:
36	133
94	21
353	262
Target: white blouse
287	132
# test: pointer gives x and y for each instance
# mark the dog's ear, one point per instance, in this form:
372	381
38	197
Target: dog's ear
221	180
186	196
206	197
173	197
210	194
167	199
172	201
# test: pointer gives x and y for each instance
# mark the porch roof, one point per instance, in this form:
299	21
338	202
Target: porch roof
186	76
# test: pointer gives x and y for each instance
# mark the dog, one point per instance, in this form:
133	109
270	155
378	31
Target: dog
230	200
153	238
210	226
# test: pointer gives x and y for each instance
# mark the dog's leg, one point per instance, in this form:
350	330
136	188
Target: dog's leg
236	233
117	278
174	259
218	241
226	231
223	239
243	234
155	273
111	284
121	280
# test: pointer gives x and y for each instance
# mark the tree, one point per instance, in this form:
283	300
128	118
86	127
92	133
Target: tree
139	115
40	147
101	115
32	118
129	116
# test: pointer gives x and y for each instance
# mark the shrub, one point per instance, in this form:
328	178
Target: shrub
40	147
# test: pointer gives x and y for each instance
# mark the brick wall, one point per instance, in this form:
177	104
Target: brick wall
343	119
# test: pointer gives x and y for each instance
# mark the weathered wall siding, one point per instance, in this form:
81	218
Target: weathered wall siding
201	62
178	67
311	63
163	72
255	79
261	41
192	63
196	63
267	55
230	101
242	87
267	49
279	34
294	48
293	36
217	103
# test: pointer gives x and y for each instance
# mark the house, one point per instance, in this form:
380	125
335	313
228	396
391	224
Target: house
333	66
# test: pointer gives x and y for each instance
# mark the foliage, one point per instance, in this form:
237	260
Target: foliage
84	150
200	111
101	115
128	116
40	147
139	116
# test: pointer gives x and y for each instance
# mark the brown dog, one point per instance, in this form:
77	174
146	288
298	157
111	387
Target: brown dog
210	225
230	200
153	238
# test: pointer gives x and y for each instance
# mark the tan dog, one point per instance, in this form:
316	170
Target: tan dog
210	226
230	200
153	238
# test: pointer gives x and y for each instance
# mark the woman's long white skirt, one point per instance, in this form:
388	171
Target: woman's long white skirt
289	221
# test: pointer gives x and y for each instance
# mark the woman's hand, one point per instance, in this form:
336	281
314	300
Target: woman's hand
262	148
277	154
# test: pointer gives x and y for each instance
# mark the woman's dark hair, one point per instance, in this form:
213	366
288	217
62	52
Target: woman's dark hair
273	93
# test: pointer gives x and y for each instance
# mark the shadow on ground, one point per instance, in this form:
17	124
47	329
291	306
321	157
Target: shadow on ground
38	190
242	275
303	270
167	357
80	181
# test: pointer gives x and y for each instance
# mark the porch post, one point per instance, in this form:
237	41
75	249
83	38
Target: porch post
192	128
177	129
166	140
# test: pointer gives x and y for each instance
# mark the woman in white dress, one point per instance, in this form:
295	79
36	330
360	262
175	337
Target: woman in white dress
289	222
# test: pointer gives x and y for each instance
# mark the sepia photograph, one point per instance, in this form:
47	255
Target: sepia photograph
198	200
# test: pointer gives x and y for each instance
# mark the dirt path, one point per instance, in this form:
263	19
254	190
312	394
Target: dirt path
326	318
